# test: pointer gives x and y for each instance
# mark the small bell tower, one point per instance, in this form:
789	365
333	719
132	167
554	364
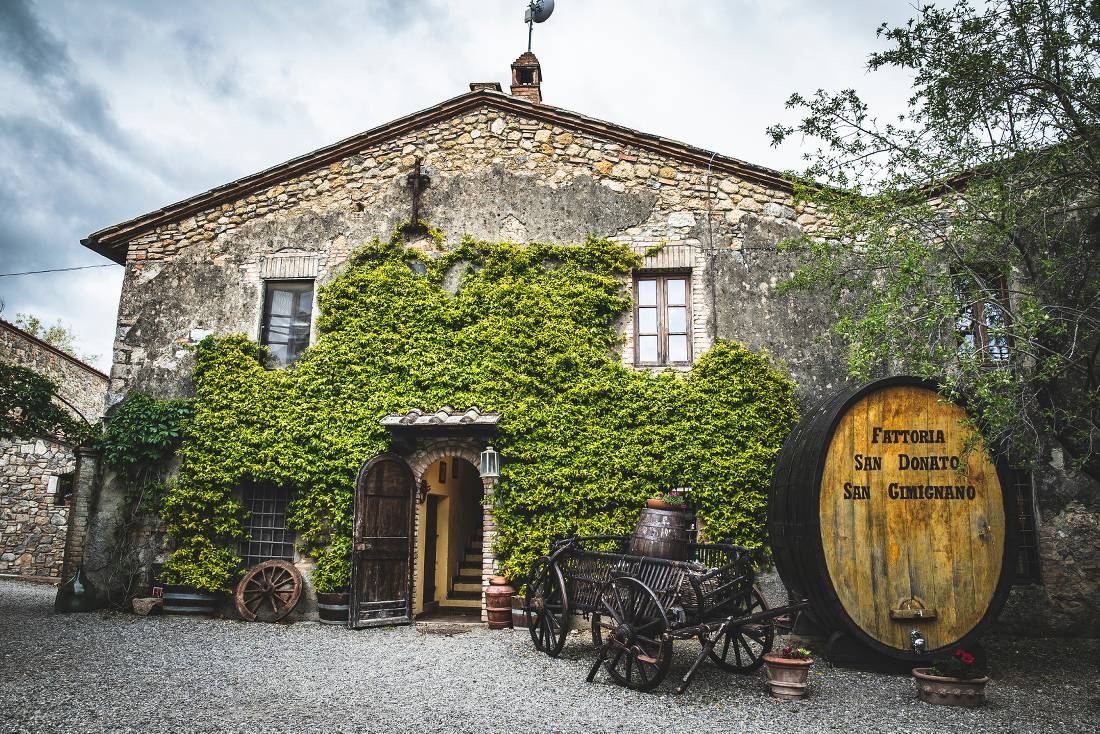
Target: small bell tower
527	78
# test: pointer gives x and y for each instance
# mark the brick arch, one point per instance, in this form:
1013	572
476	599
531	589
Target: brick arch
442	448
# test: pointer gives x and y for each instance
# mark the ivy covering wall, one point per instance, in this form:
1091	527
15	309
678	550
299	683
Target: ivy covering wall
530	331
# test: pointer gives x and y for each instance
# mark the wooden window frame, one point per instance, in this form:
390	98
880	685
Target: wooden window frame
662	278
265	309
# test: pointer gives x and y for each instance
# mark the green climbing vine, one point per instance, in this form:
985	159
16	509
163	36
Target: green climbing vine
137	440
530	331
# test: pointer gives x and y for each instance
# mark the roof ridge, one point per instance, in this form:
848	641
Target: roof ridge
51	348
107	241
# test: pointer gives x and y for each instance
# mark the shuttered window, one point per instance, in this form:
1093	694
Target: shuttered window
662	319
288	308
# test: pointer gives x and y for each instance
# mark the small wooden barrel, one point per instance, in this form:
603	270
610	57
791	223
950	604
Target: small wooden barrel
893	530
333	608
498	603
187	600
662	534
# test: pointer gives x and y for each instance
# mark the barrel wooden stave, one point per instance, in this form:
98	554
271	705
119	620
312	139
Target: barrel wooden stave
662	534
188	600
843	557
333	607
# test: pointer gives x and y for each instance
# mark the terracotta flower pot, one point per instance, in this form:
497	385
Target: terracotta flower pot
656	504
498	603
787	676
944	691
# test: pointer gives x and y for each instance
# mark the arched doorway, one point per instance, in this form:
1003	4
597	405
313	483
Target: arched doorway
449	544
385	496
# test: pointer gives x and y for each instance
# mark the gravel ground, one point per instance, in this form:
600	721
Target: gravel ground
98	672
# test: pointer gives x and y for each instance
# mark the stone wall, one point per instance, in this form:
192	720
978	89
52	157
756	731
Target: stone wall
33	525
494	175
1067	601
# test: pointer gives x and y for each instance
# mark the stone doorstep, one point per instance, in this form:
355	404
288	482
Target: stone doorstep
47	580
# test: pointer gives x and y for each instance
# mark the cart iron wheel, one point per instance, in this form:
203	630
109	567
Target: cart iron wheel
548	617
636	650
741	649
269	591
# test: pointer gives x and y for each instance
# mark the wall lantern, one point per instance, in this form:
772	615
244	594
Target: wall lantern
490	463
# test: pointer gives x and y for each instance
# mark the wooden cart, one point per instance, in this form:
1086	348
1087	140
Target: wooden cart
638	605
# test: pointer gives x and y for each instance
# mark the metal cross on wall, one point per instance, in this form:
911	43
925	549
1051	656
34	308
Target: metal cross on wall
417	181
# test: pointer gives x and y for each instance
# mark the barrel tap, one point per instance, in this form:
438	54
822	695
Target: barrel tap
917	640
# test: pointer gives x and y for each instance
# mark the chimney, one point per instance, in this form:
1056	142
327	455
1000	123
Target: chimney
527	78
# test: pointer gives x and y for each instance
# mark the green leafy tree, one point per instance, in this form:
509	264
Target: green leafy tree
30	407
57	335
962	237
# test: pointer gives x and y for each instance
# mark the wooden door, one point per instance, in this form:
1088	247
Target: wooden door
382	543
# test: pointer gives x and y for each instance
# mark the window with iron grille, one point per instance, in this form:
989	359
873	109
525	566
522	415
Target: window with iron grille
1027	537
268	536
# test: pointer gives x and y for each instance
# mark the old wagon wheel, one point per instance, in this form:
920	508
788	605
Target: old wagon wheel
638	653
269	591
547	607
741	649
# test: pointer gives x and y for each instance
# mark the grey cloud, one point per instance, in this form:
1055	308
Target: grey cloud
46	63
123	106
28	44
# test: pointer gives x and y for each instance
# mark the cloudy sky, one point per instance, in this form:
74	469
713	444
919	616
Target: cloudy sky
112	109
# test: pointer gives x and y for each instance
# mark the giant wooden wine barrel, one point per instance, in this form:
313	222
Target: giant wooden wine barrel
879	515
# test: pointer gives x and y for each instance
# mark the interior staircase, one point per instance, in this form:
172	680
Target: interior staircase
465	591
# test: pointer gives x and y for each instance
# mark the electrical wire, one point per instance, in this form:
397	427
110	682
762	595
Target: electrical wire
60	270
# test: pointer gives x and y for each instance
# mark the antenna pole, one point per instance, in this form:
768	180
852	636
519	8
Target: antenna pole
530	29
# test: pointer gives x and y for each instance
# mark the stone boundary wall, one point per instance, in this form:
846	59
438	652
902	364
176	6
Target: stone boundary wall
80	384
33	525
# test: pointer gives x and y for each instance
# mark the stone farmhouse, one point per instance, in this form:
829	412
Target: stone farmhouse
36	475
248	257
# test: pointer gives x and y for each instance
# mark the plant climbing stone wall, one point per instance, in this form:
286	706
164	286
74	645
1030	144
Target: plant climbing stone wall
32	522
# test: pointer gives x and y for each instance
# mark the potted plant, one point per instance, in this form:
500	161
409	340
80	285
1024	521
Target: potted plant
196	575
331	581
787	671
673	499
958	680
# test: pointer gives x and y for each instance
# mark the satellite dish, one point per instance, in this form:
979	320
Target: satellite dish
541	10
537	12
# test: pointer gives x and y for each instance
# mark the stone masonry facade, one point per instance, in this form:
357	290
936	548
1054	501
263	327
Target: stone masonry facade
33	515
494	175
